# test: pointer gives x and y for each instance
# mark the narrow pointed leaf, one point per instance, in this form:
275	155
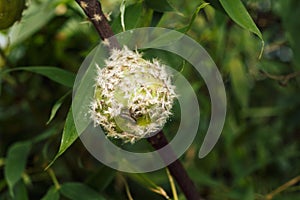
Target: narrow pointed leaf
68	137
56	106
58	75
238	13
188	27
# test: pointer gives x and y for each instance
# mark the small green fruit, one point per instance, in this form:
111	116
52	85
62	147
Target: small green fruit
133	97
10	11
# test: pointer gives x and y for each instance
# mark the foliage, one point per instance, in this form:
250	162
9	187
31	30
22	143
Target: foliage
259	147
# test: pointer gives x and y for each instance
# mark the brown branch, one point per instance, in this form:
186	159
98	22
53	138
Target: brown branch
283	79
176	169
93	10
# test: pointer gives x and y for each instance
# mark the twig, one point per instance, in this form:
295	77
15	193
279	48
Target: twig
283	79
126	188
93	10
159	190
282	188
54	179
173	187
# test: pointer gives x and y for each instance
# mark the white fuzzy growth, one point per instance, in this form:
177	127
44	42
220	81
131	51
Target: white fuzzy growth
133	97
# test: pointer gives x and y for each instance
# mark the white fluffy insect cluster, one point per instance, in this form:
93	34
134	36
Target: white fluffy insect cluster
133	97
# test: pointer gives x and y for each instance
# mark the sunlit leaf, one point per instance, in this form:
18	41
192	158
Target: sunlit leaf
79	191
35	17
68	137
238	13
58	75
15	163
56	106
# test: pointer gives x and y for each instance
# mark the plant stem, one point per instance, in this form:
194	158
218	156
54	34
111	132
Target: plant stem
176	169
173	187
54	179
283	79
93	10
282	188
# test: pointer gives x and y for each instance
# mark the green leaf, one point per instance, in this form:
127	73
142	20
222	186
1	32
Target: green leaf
135	16
58	75
20	191
188	27
68	137
56	106
52	194
144	180
238	13
102	178
34	18
85	90
240	82
15	163
79	191
160	6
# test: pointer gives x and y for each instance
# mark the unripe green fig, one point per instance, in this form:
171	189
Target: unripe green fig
10	11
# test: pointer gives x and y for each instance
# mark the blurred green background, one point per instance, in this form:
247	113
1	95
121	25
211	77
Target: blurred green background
257	152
